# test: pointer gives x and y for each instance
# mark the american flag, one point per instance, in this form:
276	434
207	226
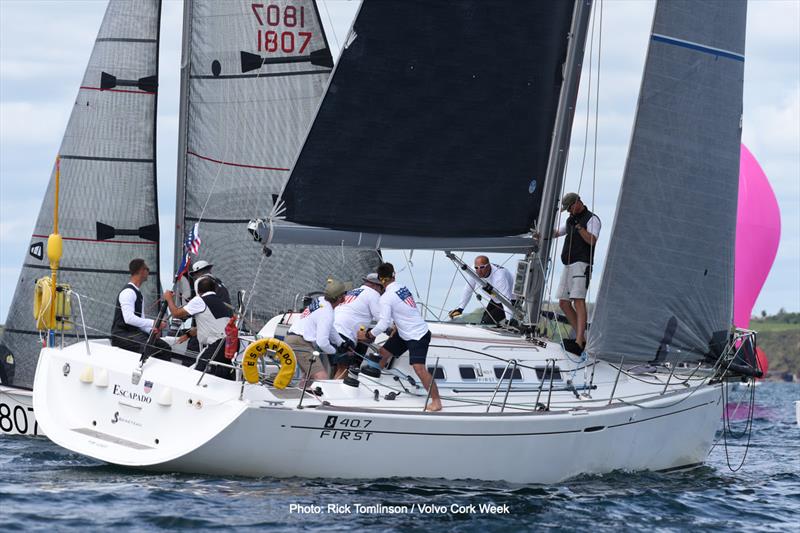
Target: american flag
190	245
405	295
313	306
350	296
192	242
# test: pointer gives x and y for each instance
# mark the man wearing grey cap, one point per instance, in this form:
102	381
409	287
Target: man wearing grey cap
360	308
582	228
314	331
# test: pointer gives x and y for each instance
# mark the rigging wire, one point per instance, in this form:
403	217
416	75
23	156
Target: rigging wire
450	288
333	27
430	280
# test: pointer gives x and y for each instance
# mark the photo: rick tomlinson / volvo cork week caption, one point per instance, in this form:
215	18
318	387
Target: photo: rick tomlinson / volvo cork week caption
417	508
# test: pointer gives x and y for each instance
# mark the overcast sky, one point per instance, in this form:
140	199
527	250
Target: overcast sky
45	45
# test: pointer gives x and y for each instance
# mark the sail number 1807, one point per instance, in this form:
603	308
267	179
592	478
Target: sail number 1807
286	41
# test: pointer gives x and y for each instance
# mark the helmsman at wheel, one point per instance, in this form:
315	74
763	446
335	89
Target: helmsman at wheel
581	229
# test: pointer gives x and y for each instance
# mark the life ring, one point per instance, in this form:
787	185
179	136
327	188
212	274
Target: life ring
284	355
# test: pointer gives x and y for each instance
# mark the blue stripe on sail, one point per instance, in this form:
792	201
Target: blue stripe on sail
699	47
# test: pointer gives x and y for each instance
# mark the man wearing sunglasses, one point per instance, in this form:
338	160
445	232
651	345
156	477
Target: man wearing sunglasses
501	282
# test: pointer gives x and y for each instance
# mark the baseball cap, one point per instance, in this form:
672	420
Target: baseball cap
372	277
334	289
569	199
200	265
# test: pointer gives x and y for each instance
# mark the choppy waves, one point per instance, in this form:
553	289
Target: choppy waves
43	487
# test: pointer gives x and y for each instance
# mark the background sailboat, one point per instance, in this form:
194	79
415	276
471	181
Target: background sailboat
108	199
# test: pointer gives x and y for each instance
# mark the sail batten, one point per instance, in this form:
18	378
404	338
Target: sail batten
441	111
667	288
253	77
108	158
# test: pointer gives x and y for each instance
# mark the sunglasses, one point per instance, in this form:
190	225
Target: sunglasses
481	267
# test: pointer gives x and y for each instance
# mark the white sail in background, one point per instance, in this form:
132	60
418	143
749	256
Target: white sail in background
108	211
253	76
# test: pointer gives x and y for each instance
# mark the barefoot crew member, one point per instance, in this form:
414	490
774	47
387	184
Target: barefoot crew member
412	335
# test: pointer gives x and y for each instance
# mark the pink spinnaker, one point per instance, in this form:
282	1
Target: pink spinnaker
758	232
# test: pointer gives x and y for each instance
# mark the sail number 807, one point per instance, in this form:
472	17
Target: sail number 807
16	420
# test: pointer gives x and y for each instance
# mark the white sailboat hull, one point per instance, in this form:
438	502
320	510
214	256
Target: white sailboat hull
519	449
16	412
220	427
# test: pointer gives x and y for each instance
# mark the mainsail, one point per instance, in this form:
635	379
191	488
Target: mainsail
667	287
253	75
442	114
108	212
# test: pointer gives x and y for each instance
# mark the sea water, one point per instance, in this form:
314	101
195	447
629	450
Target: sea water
44	487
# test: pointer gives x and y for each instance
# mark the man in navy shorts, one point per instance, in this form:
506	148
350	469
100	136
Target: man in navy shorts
412	334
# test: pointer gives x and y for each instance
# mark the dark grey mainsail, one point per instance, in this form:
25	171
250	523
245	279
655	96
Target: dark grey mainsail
667	286
108	211
253	75
444	112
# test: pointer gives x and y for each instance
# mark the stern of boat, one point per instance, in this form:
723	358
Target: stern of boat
87	403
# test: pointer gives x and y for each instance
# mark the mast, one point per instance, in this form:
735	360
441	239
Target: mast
537	261
183	131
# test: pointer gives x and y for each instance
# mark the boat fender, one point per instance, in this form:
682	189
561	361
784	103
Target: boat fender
284	355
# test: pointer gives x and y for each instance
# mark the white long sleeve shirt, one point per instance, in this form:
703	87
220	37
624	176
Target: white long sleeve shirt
316	326
500	278
127	303
398	306
360	308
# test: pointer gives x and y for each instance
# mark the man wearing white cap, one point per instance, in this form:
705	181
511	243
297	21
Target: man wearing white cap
360	308
201	269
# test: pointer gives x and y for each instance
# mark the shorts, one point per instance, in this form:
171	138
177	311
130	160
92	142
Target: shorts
303	350
417	349
574	281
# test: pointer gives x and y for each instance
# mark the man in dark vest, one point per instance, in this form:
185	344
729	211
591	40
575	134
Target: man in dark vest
131	329
581	230
211	315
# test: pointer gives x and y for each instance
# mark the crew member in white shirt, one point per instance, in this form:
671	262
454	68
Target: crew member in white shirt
130	329
315	332
501	282
361	307
211	315
412	333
